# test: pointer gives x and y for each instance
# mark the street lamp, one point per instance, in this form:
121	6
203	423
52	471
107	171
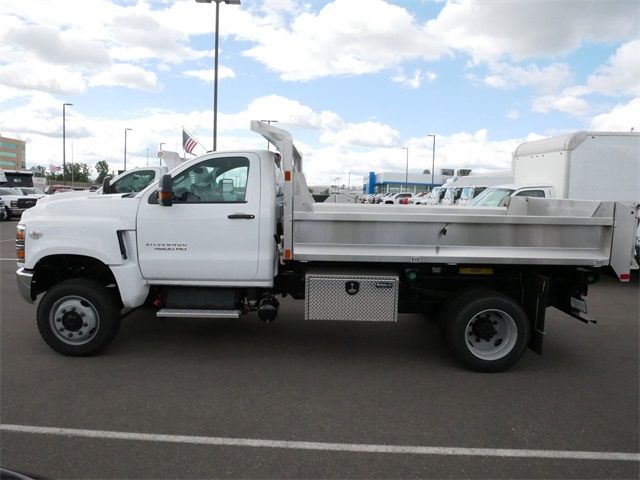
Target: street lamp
215	80
125	147
433	159
64	138
406	171
160	153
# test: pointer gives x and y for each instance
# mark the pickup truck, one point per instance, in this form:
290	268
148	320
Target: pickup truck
226	233
498	195
15	202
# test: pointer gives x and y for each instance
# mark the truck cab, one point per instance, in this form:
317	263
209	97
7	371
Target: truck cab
497	196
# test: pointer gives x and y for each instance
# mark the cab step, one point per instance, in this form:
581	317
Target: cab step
197	313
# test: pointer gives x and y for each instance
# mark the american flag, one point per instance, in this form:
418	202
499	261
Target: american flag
54	168
188	142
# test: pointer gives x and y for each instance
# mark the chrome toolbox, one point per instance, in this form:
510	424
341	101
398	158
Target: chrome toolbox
359	296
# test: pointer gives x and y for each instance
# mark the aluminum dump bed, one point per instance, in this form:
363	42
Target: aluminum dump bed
530	231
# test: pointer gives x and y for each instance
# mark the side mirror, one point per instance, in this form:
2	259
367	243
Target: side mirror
165	191
106	185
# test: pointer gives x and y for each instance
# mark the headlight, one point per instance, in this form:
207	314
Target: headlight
14	203
21	231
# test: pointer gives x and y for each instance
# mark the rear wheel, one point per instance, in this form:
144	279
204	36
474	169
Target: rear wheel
486	330
78	317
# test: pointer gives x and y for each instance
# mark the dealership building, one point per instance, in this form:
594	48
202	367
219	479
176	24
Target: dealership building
391	182
12	154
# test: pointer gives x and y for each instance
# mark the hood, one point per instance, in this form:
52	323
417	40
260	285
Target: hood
116	209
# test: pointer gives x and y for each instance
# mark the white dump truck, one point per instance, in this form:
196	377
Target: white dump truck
224	234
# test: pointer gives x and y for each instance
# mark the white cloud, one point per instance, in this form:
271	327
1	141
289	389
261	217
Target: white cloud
546	79
126	75
489	31
366	134
622	118
42	77
414	81
513	114
288	113
208	75
621	74
565	103
346	37
50	46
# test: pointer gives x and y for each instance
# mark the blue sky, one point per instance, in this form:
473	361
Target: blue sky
354	80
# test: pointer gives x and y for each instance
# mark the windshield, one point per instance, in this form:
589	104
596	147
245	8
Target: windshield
450	193
467	193
134	182
31	191
491	197
435	193
10	191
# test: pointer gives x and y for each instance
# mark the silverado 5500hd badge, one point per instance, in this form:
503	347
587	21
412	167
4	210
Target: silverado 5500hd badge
169	247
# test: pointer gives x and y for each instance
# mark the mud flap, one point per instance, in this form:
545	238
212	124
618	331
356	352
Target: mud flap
535	294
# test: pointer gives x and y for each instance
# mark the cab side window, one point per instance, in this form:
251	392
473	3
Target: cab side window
217	180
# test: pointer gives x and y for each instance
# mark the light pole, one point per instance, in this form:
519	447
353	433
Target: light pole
125	147
406	171
64	138
433	159
160	153
215	79
269	122
337	191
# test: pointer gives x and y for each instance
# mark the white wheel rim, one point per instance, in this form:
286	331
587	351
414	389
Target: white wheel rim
74	320
491	334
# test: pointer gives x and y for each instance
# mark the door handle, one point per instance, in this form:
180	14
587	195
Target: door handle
246	216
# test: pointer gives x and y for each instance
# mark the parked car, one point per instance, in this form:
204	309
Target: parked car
496	196
469	193
451	195
434	197
51	189
15	202
417	198
394	198
4	213
32	192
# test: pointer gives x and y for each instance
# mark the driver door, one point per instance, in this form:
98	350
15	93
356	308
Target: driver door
210	235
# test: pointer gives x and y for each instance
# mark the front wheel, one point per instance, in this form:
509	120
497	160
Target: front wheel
78	317
4	214
486	330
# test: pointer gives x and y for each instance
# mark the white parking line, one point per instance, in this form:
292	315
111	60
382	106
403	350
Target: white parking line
8	240
7	259
332	447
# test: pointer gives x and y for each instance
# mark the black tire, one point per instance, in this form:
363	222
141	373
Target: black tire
4	214
78	317
487	331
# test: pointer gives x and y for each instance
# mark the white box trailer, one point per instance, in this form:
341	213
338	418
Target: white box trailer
583	165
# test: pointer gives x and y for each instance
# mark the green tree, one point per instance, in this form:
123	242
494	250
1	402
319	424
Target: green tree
102	167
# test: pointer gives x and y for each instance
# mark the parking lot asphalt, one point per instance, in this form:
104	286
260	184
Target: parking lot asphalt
338	382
